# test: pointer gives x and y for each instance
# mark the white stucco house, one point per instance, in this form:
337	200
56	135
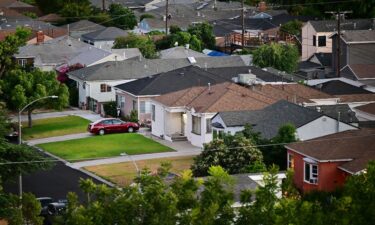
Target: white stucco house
309	123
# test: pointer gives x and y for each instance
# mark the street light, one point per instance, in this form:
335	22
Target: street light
20	131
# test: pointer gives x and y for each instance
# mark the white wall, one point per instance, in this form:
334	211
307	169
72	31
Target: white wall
173	123
195	139
158	125
230	130
321	127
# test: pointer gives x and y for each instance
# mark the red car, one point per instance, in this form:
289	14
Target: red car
105	126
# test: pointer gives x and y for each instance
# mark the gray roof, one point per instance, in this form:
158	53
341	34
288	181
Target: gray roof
89	56
136	68
84	26
359	36
54	52
108	33
331	25
127	53
179	52
268	120
14	4
29	23
127	3
346	114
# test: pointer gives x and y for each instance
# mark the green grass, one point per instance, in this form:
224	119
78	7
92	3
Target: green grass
104	146
52	127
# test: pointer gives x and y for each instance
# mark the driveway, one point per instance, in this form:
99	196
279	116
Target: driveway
59	138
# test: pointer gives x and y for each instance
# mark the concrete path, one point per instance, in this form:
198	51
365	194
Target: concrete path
59	138
129	158
89	115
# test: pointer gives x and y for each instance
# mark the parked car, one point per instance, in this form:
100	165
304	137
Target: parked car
113	125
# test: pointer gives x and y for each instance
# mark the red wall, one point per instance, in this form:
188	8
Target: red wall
329	176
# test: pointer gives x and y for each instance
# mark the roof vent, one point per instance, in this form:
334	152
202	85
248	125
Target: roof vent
319	109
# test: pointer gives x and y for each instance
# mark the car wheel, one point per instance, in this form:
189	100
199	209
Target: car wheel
130	129
101	132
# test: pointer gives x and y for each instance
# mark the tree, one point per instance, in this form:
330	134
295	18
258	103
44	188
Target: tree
204	32
293	27
31	209
145	45
4	121
76	10
25	87
280	56
10	46
145	16
110	108
234	154
122	17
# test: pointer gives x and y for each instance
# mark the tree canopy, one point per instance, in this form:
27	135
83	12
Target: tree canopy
145	45
283	57
122	17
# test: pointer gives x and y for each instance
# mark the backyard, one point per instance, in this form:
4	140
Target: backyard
104	146
52	127
122	174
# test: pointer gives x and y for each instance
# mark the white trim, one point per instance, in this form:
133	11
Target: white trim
311	165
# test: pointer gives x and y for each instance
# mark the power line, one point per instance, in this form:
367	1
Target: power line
240	147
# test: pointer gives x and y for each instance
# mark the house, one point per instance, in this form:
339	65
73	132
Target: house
77	29
95	83
339	87
357	53
366	112
19	6
316	34
179	52
316	67
340	112
186	114
104	38
134	5
325	163
267	121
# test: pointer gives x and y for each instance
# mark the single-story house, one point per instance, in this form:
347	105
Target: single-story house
325	163
104	38
267	121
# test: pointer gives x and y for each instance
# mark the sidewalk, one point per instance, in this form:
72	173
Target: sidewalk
89	115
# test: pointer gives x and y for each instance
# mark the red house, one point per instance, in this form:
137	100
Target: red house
324	163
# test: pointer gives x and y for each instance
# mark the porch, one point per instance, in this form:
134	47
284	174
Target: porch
175	126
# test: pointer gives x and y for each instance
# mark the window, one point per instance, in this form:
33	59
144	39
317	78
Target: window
196	125
208	126
105	88
153	112
322	41
22	62
122	104
290	161
116	122
107	122
314	40
145	107
311	173
135	105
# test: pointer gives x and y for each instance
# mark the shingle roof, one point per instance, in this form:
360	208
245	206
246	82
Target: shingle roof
90	56
337	87
220	97
108	33
331	25
363	71
267	121
135	68
368	108
356	98
84	25
357	147
179	52
346	114
182	78
14	4
359	36
325	59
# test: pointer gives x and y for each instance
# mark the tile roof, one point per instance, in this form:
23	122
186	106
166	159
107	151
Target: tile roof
136	68
352	24
337	87
368	108
359	36
356	147
108	33
182	78
220	97
346	114
267	121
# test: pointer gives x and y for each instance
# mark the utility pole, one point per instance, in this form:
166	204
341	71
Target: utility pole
166	18
338	15
243	25
103	5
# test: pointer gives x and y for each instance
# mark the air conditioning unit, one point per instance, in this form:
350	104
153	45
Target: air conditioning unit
247	78
313	180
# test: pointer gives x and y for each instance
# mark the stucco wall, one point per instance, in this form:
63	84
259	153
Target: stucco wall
158	124
307	42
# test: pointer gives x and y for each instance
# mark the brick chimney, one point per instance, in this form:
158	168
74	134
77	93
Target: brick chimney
39	37
262	6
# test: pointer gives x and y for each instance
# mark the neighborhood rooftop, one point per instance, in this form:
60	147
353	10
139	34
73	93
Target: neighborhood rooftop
346	114
350	24
108	33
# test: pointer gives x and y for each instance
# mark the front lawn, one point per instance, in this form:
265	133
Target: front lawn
123	173
104	146
52	127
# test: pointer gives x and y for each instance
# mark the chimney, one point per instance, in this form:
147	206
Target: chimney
262	6
39	37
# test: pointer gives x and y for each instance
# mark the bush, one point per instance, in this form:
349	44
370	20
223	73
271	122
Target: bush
132	117
110	109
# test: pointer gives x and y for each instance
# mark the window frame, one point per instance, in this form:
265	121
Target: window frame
22	62
320	41
312	175
193	121
208	126
153	110
290	161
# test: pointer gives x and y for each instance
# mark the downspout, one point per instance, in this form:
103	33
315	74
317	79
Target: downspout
338	122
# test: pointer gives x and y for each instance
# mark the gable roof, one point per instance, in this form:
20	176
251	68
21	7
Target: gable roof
220	97
108	33
267	121
182	78
325	59
368	108
136	68
363	71
83	26
179	52
90	56
338	87
358	36
352	24
356	147
346	114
